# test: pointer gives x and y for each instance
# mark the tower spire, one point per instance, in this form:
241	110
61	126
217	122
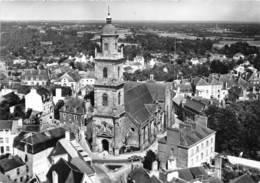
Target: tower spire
109	19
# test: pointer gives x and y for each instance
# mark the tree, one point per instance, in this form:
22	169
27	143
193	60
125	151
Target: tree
149	159
57	107
237	127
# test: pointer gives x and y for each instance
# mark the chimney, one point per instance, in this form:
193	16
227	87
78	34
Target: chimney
67	135
55	177
151	77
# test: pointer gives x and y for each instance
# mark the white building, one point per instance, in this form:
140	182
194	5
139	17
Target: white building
70	79
34	77
186	145
39	100
212	89
87	78
19	61
8	131
201	151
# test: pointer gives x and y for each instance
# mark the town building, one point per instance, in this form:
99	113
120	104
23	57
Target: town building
194	174
71	151
8	131
70	79
187	144
34	150
66	172
39	99
87	78
33	77
14	168
73	113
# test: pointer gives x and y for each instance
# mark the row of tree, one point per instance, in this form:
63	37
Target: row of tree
238	128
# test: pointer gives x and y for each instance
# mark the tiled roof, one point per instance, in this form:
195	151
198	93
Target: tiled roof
83	166
140	99
71	76
157	90
35	74
194	105
66	172
139	175
135	100
243	179
216	82
74	105
6	124
202	82
190	174
190	137
8	164
39	141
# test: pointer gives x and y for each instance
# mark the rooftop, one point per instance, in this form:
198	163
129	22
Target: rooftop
10	163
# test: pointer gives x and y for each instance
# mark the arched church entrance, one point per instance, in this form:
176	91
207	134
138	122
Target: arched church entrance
105	145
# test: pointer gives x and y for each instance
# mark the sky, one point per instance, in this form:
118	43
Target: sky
136	10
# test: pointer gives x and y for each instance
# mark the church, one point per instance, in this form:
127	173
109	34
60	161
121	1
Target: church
127	115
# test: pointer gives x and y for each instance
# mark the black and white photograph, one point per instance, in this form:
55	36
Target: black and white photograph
129	91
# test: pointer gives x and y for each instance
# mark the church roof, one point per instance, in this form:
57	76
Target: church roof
140	99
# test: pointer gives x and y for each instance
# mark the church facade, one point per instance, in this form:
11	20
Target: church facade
126	114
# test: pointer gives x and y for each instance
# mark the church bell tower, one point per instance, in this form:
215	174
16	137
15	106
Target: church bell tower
109	89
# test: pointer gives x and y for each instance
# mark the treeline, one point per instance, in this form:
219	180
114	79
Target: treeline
238	128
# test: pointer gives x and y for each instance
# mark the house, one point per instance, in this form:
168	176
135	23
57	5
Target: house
14	168
195	61
184	89
70	79
139	175
19	61
238	56
188	144
71	151
211	87
8	131
73	113
39	99
65	172
87	78
33	77
219	57
34	150
186	175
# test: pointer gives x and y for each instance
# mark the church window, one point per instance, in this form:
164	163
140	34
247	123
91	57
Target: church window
118	71
119	98
105	72
105	99
106	46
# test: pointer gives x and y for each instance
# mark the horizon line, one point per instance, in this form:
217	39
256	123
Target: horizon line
118	20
